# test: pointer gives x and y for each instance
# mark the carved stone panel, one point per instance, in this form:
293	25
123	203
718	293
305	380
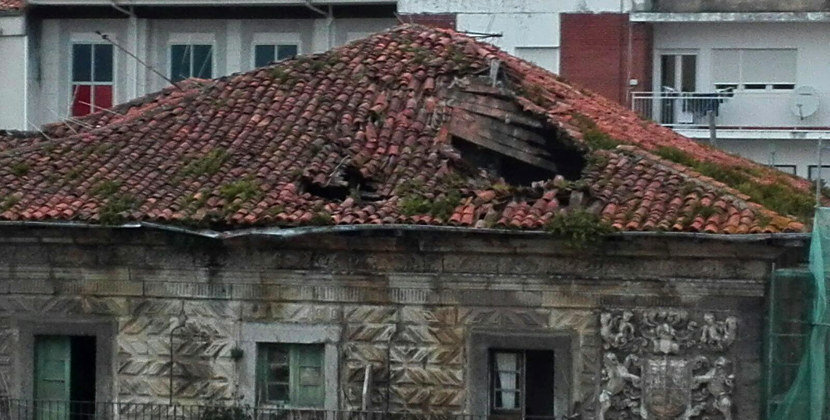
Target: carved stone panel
666	364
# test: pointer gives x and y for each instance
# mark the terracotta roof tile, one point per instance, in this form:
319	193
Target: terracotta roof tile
369	133
10	6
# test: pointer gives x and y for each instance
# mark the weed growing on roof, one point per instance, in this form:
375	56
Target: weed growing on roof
440	207
8	202
779	196
112	212
244	189
208	164
20	169
763	219
281	74
321	218
595	138
580	229
535	94
73	173
106	188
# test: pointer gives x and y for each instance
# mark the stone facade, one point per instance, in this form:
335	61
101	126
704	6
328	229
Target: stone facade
408	303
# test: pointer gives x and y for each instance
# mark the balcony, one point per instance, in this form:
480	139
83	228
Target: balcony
746	114
730	6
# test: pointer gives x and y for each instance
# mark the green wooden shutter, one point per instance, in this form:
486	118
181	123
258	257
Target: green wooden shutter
53	357
307	380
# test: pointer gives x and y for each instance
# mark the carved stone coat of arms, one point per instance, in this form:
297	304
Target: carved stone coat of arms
665	365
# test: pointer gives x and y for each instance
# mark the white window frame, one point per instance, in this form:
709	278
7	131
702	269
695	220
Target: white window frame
274	38
91	38
191	38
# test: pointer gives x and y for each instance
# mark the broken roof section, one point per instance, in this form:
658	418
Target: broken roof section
415	125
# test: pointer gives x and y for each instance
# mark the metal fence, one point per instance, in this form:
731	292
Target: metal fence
16	409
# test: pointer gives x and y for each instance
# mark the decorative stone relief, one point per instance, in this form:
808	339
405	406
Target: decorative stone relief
664	364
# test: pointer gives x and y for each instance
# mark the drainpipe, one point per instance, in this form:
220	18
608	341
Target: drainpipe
329	15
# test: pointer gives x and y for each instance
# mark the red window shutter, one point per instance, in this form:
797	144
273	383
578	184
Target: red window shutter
81	98
103	97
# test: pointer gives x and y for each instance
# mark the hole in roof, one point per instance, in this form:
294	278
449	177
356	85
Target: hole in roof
349	183
493	132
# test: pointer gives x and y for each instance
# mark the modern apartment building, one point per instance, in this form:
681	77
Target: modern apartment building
65	58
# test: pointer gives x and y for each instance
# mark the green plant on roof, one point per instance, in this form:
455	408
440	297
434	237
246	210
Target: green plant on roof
238	192
321	218
441	207
209	164
281	74
112	212
8	202
593	136
779	196
20	169
106	188
580	229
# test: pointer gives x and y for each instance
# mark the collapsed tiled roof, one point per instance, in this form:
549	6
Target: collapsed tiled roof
414	125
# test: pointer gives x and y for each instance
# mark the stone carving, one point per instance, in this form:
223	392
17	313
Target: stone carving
667	371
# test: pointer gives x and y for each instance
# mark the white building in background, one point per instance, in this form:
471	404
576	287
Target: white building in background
763	75
525	28
56	63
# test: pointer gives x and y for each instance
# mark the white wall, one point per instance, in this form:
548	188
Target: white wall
522	23
150	39
13	72
762	109
811	39
800	153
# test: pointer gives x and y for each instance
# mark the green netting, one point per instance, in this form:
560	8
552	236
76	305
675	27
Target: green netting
797	338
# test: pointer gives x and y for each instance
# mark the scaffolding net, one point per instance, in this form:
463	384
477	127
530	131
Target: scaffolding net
797	334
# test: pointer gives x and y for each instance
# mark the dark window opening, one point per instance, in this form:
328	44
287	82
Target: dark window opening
522	384
783	86
64	377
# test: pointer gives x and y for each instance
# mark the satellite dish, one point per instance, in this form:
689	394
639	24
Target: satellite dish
804	102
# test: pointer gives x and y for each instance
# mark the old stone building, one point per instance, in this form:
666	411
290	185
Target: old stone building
416	222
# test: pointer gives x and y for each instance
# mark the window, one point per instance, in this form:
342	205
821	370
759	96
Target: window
64	376
812	172
678	72
790	169
265	54
522	384
545	57
191	60
754	69
290	375
92	72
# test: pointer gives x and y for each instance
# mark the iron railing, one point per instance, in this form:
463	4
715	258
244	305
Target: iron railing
744	109
17	409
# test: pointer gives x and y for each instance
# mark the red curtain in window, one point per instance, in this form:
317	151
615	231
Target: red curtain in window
87	97
81	100
103	97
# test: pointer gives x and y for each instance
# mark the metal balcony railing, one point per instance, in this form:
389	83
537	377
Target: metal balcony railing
17	409
737	110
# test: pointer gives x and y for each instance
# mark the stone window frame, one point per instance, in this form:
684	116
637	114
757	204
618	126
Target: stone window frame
253	333
104	331
480	343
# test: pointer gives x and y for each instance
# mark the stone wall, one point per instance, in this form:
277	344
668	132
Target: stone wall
407	303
